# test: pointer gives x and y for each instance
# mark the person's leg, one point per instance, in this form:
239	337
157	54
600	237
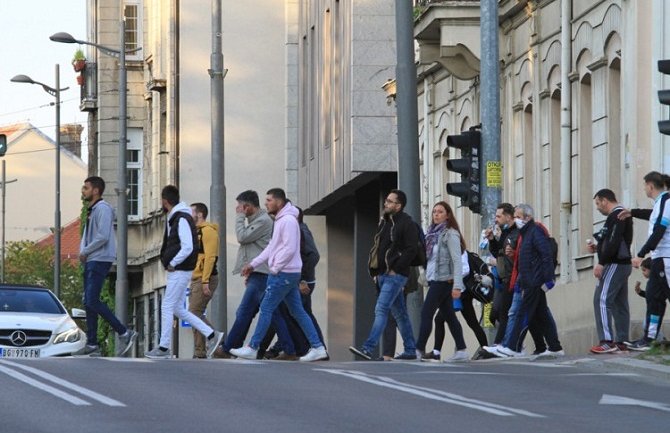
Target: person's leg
437	293
180	307
526	313
389	337
275	292
439	333
95	274
251	300
448	315
602	304
280	323
307	305
505	302
171	297
512	317
197	304
294	304
387	293
619	303
470	316
399	311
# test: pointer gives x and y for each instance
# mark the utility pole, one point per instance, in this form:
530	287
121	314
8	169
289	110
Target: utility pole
489	106
4	188
408	131
219	305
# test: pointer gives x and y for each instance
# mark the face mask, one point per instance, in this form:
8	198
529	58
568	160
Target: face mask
519	222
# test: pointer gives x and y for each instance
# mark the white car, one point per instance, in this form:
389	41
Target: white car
34	324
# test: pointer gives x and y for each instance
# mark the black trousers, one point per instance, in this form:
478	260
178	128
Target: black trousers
535	310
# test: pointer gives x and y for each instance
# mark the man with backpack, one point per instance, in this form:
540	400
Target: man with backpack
394	250
535	265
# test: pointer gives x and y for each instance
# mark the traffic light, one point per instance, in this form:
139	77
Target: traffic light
664	97
468	165
3	144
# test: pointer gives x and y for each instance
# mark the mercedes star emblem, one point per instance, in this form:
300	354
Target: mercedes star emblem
18	338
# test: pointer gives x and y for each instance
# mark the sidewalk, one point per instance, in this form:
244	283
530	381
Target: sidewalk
650	365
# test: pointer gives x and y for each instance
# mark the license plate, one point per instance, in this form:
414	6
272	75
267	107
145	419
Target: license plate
19	353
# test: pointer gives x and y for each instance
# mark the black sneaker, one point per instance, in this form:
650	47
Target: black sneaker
361	352
406	356
430	357
482	354
641	345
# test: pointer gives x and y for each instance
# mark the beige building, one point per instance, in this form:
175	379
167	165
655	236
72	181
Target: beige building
31	199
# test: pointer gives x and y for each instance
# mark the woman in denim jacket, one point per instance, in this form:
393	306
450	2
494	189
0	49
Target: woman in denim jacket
444	272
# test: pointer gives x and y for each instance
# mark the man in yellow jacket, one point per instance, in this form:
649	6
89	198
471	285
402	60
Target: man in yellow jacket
205	279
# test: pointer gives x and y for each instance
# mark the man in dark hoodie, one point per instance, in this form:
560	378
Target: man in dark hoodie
610	302
395	247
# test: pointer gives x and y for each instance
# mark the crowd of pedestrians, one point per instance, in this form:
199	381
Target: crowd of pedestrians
277	257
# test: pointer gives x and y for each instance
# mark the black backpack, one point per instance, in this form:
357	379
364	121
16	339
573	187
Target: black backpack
472	281
420	259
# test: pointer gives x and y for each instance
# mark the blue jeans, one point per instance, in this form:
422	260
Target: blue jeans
251	300
512	318
283	287
391	298
94	277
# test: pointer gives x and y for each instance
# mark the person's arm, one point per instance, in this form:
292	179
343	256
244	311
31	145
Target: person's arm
541	244
103	224
410	238
185	240
252	232
454	248
610	249
210	245
643	214
660	226
288	243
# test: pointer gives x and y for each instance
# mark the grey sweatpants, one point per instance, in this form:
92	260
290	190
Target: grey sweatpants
610	303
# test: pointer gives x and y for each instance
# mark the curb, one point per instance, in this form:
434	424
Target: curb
644	368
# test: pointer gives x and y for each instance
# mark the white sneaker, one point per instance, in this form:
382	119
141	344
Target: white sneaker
459	356
213	343
314	354
549	354
245	352
493	350
509	352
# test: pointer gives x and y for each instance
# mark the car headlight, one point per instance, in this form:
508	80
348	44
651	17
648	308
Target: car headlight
69	336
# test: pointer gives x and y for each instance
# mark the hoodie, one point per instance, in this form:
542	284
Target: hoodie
178	247
97	241
283	252
208	251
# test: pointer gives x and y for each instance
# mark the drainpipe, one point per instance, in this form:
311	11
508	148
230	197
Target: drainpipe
566	131
427	148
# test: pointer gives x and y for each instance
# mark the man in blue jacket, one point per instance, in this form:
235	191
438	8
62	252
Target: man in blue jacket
536	277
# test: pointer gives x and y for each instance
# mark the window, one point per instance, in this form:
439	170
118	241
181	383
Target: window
133	15
134	180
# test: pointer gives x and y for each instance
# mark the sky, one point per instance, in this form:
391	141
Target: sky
25	48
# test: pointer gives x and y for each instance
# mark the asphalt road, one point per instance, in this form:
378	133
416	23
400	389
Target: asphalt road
137	395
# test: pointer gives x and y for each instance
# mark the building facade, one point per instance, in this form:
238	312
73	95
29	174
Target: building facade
612	138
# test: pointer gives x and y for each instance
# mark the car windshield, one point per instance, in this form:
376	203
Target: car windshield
28	301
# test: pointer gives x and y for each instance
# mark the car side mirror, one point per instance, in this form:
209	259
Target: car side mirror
78	313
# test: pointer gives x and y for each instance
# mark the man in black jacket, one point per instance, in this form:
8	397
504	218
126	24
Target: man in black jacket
394	249
610	301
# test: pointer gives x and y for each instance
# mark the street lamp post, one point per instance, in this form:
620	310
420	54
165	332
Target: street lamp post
121	296
53	91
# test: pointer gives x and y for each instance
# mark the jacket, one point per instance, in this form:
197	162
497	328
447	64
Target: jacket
446	263
395	245
504	264
253	234
179	240
208	251
283	252
309	254
614	239
535	263
97	241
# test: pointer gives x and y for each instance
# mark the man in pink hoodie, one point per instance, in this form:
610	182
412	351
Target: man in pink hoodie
282	256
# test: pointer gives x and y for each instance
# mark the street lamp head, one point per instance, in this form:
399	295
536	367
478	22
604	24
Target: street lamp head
63	37
22	79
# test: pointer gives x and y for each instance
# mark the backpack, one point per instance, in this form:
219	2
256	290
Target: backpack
420	259
473	281
553	246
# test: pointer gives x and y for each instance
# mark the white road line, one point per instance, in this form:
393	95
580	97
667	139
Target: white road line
69	385
44	387
433	394
626	401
